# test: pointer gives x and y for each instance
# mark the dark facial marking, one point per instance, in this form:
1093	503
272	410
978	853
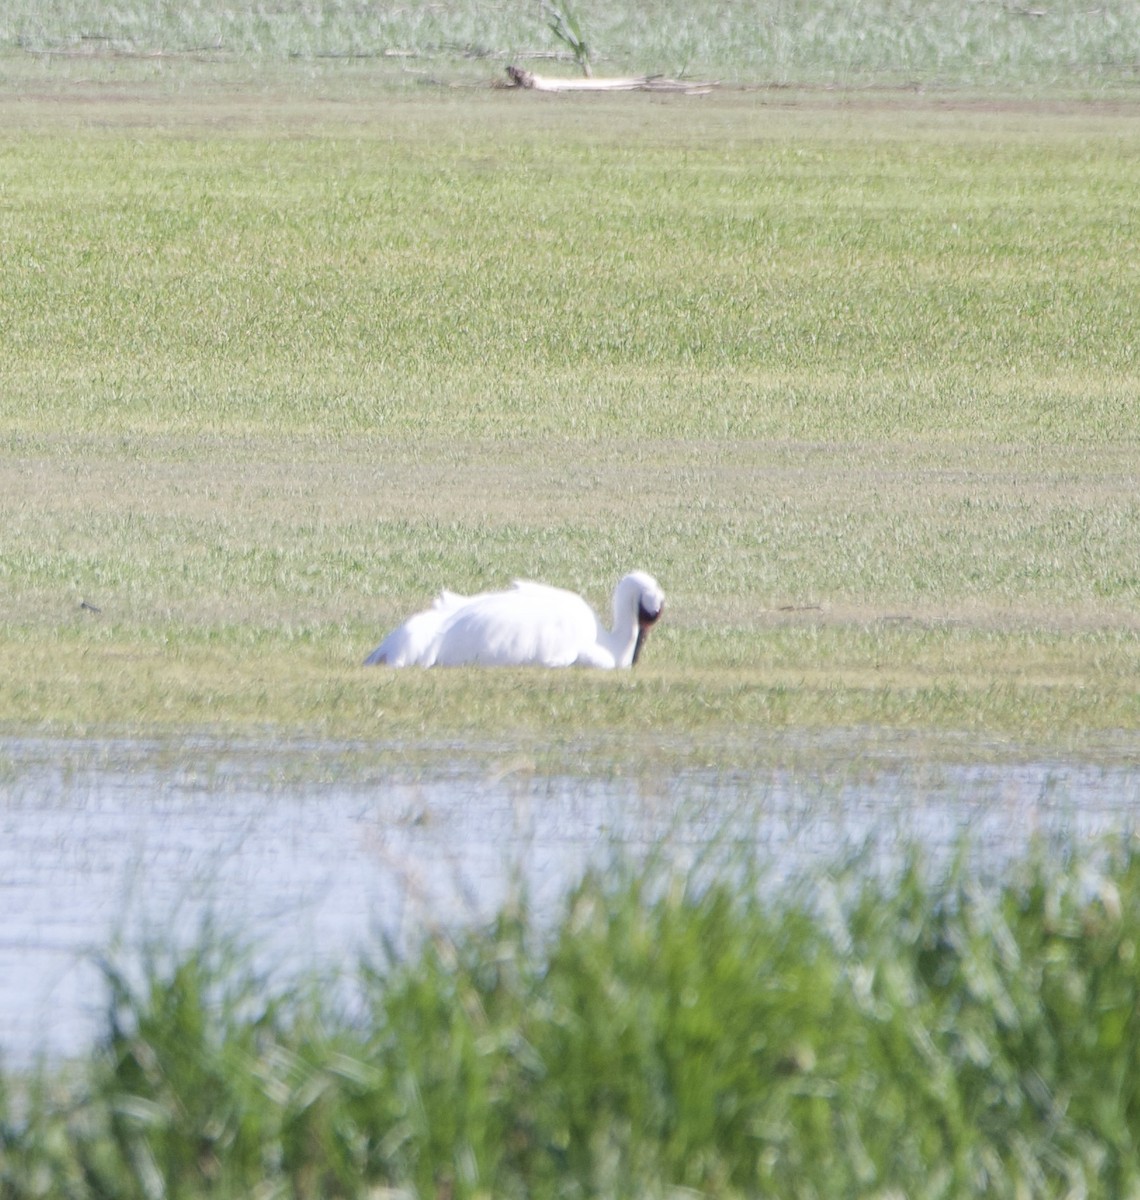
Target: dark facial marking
645	618
645	621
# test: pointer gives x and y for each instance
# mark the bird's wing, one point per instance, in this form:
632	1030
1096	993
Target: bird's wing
413	644
530	624
448	601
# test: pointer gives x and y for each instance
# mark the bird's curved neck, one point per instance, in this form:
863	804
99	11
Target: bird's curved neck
622	640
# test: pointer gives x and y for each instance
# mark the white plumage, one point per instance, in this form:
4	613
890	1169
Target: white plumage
528	624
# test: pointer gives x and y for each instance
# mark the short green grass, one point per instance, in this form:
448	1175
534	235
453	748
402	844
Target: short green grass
856	382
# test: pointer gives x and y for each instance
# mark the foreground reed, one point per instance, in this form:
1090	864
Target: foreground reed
851	1038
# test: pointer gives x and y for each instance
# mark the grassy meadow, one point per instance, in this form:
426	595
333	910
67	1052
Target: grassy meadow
855	376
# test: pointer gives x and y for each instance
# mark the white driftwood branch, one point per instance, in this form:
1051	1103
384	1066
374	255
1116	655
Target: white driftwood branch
521	78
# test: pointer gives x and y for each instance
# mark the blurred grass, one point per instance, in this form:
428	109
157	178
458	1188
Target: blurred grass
919	1036
1064	44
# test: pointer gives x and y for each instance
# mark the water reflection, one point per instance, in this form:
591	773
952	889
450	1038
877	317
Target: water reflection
102	841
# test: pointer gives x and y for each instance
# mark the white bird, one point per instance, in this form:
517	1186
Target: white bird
528	624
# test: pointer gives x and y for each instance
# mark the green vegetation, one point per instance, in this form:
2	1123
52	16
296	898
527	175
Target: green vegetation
918	1038
565	26
1065	44
856	381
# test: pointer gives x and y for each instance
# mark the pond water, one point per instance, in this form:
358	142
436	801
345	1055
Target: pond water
309	854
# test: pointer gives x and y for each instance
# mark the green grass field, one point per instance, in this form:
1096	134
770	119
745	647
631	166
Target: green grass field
855	376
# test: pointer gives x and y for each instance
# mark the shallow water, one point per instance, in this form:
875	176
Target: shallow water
309	853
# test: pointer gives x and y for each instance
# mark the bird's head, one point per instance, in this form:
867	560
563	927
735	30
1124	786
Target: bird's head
650	600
